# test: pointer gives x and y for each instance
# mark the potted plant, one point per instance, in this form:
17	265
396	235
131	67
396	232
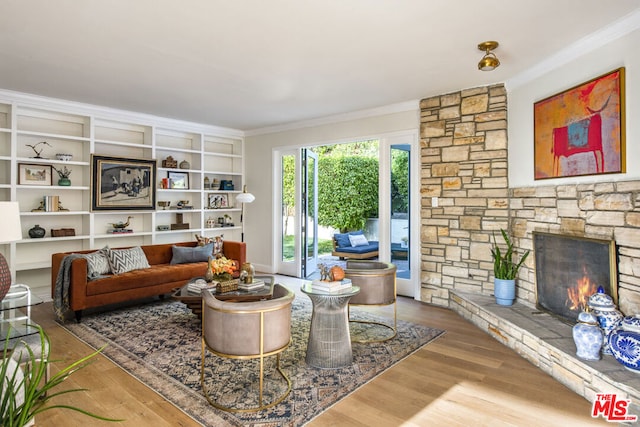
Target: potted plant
63	174
25	394
505	270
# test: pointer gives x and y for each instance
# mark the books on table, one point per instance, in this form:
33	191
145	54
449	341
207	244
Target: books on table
197	286
256	284
335	286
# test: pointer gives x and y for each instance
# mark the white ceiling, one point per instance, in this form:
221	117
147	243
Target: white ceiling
250	64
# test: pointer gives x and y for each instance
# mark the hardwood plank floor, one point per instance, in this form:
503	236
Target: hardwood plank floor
463	378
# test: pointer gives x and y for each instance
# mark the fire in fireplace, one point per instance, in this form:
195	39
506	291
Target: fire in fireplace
569	269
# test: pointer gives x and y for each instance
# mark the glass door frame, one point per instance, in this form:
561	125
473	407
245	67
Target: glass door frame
308	264
407	287
293	267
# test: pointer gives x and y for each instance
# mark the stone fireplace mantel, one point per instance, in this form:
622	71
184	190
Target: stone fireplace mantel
547	342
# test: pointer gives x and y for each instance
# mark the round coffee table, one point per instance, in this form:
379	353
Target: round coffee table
193	300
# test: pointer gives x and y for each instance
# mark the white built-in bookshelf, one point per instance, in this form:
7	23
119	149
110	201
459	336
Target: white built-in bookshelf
84	130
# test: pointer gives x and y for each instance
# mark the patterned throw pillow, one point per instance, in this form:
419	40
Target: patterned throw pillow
123	260
217	244
98	263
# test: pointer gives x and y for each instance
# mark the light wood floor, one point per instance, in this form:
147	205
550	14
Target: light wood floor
463	378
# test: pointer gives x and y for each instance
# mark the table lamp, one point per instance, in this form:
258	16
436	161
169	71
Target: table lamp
243	198
10	231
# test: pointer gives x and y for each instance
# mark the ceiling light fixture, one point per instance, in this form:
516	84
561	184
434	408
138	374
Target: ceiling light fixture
489	61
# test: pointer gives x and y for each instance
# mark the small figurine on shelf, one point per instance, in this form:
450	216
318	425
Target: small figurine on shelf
61	208
119	225
64	174
34	147
40	208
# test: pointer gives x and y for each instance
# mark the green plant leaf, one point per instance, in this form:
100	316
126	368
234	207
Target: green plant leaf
37	391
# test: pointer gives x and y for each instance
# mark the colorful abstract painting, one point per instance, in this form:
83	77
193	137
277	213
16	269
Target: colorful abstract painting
581	131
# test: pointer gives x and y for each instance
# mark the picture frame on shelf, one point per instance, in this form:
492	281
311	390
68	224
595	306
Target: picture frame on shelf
178	180
581	130
218	201
122	183
34	174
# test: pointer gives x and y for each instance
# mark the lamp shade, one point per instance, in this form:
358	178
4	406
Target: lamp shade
11	229
488	62
245	197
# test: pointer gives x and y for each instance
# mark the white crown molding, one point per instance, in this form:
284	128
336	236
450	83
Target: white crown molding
400	107
107	113
611	32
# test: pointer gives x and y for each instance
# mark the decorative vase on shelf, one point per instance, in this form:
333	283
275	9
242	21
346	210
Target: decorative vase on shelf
504	291
37	232
64	182
588	336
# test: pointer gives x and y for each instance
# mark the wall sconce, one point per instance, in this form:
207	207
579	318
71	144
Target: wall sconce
489	61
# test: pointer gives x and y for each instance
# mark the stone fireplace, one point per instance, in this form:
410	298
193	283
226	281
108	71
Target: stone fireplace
569	269
464	164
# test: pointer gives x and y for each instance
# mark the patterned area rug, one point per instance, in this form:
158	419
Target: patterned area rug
159	343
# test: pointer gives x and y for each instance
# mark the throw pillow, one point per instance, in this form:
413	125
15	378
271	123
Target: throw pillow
98	263
123	260
342	239
358	240
217	247
186	254
217	244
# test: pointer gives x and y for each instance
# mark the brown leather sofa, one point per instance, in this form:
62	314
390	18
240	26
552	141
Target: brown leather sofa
159	279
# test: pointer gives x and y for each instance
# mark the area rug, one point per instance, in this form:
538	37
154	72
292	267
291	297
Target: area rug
160	344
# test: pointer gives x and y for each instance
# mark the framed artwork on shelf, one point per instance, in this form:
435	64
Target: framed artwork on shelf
178	180
122	183
29	174
581	131
217	201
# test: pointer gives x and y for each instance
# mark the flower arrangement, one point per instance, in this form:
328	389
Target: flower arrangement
221	269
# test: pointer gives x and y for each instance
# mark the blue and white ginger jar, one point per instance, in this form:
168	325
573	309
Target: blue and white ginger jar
625	343
588	336
608	316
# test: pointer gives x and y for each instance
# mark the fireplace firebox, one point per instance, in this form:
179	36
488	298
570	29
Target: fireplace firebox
569	269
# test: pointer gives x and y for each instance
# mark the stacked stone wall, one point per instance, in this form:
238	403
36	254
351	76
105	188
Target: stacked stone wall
607	211
464	165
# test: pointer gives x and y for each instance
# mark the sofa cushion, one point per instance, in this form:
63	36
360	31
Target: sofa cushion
183	255
342	239
371	247
157	275
98	263
123	260
358	240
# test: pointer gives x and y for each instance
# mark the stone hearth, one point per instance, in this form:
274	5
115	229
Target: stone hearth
547	342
